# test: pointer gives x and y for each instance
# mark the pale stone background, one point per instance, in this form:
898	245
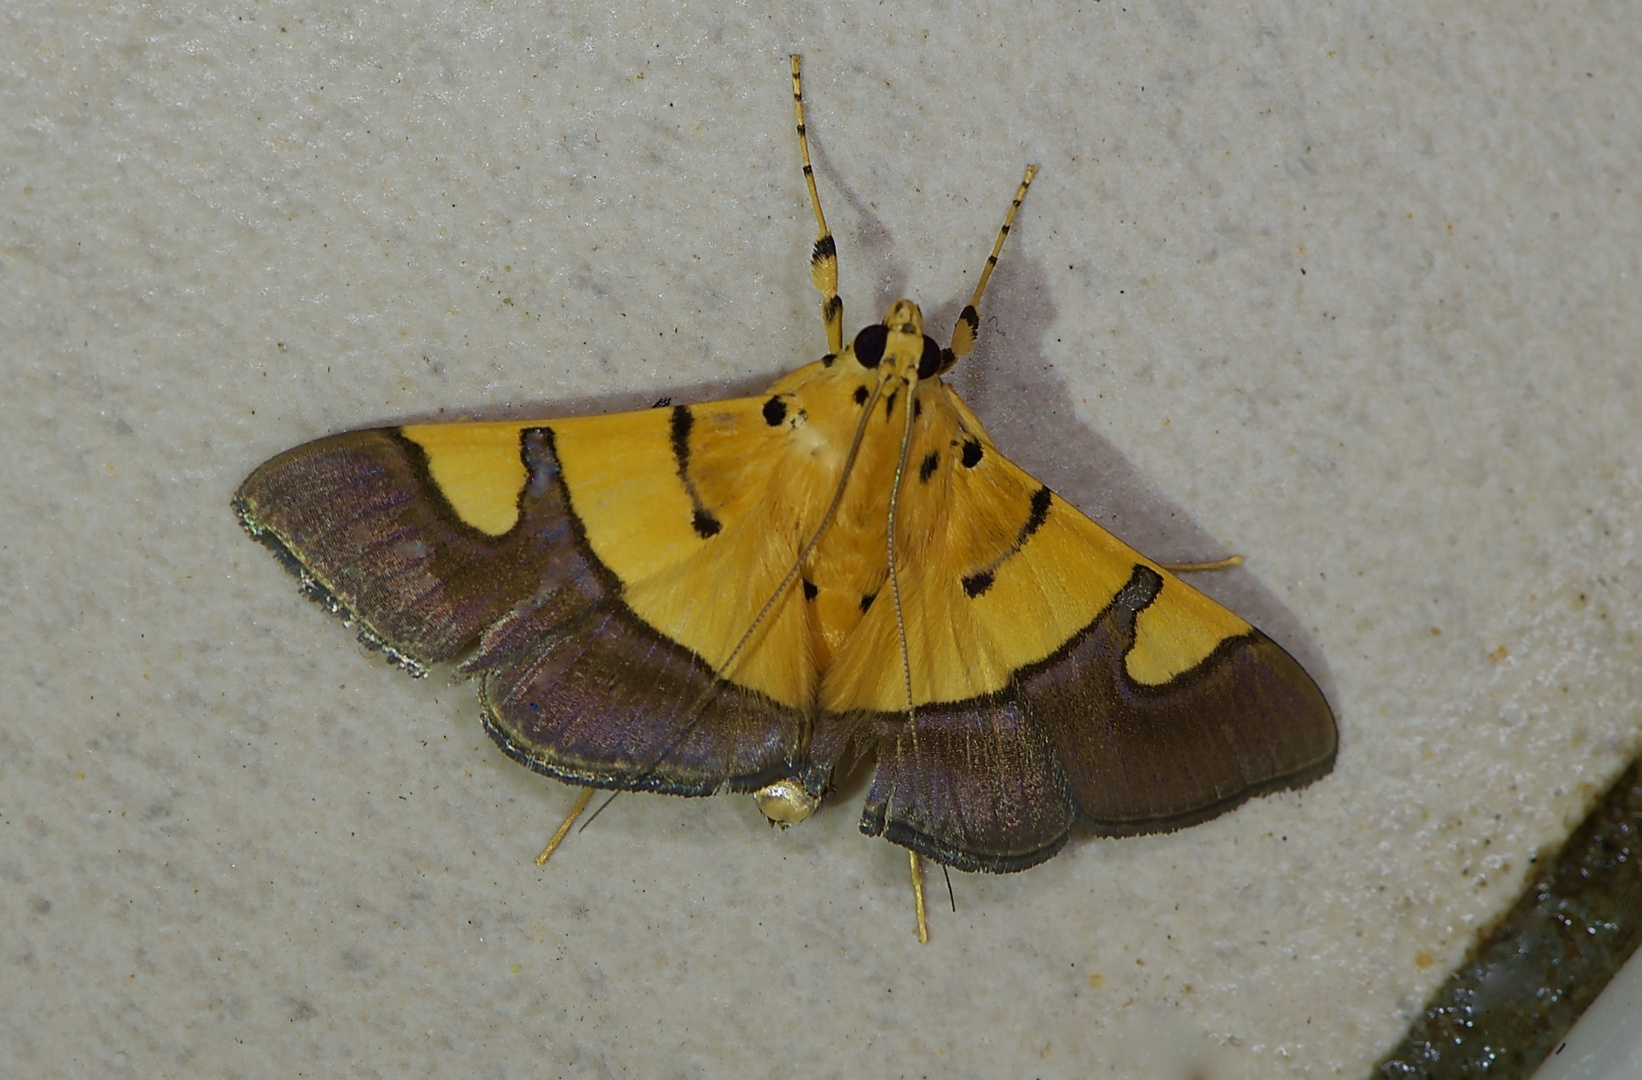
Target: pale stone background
1348	288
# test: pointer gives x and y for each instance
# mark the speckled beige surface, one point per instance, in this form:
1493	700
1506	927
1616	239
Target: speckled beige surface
1350	289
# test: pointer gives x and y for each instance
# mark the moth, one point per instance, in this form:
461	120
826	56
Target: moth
749	595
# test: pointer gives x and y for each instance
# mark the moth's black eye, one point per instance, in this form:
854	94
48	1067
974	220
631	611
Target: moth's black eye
869	344
930	363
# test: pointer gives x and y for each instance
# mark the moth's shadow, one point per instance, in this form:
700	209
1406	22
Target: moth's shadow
1030	412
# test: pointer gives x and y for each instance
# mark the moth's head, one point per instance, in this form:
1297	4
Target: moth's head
898	346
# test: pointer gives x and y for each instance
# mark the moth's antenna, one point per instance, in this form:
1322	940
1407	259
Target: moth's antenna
969	319
594	816
901	635
824	256
894	579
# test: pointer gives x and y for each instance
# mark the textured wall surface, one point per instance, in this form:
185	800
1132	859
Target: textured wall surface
1350	289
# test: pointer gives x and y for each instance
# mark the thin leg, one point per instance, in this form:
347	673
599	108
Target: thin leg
564	830
1192	567
918	898
969	320
824	259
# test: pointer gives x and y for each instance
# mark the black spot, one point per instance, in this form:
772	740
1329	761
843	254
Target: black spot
917	408
926	469
869	345
682	422
948	359
705	523
1040	510
976	584
972	453
930	362
972	317
809	589
866	601
860	395
775	411
1142	588
826	361
825	248
702	520
889	404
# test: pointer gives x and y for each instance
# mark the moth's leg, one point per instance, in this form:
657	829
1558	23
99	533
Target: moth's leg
969	320
824	258
1192	567
918	898
564	830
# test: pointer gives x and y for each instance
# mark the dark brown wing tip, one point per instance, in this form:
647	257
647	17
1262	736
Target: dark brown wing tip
655	780
312	587
583	775
246	507
1302	746
929	847
1197	816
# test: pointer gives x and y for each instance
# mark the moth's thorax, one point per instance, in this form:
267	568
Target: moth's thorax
868	389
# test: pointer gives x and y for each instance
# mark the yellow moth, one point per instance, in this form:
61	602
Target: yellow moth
747	595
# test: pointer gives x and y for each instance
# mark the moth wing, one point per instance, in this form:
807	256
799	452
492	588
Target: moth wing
1058	678
576	567
376	538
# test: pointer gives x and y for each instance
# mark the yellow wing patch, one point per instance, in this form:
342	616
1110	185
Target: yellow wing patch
477	469
1178	632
